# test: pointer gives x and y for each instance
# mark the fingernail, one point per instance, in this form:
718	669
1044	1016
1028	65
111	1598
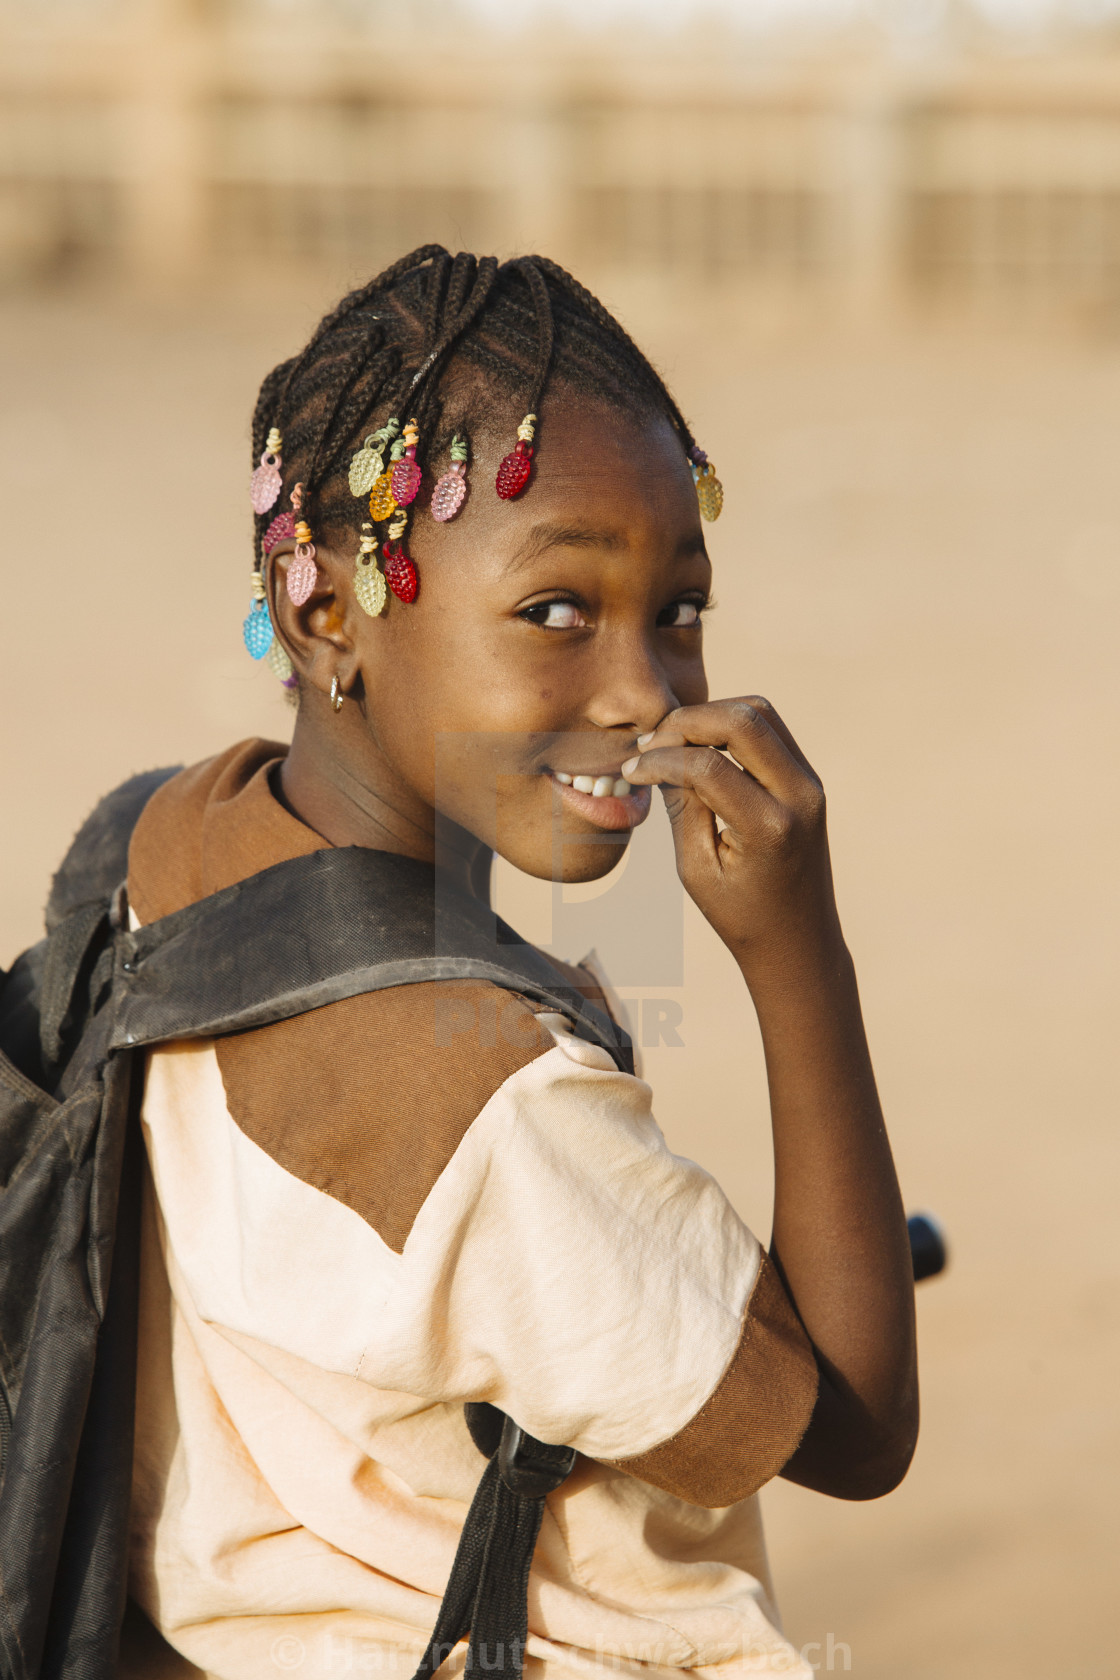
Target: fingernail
644	740
630	766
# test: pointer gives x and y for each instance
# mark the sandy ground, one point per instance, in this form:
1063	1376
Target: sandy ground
920	564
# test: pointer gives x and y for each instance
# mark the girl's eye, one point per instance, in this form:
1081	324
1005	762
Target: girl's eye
680	615
555	615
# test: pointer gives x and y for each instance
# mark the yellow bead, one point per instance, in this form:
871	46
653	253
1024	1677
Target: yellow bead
382	502
277	660
369	588
709	493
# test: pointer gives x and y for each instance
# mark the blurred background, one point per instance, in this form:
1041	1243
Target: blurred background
876	250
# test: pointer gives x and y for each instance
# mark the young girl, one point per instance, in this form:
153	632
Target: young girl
481	571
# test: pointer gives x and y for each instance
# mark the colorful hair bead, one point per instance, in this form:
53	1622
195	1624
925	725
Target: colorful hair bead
369	585
406	474
451	489
513	471
257	628
382	502
302	572
709	490
400	574
367	465
264	486
282	527
278	662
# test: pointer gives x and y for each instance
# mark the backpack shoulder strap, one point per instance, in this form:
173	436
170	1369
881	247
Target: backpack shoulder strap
320	928
97	861
42	1001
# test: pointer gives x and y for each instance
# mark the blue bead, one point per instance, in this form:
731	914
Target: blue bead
257	630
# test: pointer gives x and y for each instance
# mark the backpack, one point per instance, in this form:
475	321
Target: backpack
77	1012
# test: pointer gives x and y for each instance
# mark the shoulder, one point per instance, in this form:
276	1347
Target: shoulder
368	1099
208	825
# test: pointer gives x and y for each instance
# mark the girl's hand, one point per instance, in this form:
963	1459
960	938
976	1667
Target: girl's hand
749	828
751	847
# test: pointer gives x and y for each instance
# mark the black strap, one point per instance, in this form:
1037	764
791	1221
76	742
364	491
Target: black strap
319	928
68	948
98	856
487	1591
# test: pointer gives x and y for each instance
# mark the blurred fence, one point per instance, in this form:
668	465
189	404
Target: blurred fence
179	140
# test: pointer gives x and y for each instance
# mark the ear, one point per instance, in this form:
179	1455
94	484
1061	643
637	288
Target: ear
317	634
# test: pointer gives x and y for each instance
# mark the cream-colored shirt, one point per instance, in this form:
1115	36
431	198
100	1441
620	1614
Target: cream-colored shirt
303	1467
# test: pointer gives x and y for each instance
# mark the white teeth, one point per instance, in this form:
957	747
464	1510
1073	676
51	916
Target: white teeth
600	787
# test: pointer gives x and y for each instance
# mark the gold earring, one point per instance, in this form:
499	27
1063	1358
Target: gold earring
337	696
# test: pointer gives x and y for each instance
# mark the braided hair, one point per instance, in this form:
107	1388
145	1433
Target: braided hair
447	338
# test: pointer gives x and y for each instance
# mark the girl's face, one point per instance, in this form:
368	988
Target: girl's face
549	632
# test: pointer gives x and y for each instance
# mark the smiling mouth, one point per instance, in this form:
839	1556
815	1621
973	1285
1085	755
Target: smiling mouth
606	800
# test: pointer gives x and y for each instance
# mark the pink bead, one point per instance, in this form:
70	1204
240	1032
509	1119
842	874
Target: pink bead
405	481
282	527
450	493
264	486
302	575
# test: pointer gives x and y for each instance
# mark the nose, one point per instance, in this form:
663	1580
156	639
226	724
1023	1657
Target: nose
633	692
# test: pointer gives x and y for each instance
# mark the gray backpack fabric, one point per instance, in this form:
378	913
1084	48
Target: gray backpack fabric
76	1012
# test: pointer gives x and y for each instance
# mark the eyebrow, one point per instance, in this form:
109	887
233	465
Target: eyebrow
551	535
543	537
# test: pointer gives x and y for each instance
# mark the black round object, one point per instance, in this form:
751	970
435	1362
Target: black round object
928	1250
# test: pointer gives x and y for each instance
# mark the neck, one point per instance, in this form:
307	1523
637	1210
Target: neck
340	785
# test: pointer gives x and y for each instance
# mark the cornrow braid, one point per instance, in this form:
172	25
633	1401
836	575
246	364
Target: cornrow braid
606	320
458	340
454	329
546	327
277	385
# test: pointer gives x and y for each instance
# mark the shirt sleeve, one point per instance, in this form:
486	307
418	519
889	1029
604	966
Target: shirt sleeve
568	1268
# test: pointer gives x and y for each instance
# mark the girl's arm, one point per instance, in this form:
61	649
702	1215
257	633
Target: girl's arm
762	877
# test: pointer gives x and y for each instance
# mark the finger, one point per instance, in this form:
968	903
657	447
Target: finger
694	829
780	728
739	801
738	727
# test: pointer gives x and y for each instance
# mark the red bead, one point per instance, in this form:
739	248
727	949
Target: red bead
400	575
513	473
405	481
282	527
